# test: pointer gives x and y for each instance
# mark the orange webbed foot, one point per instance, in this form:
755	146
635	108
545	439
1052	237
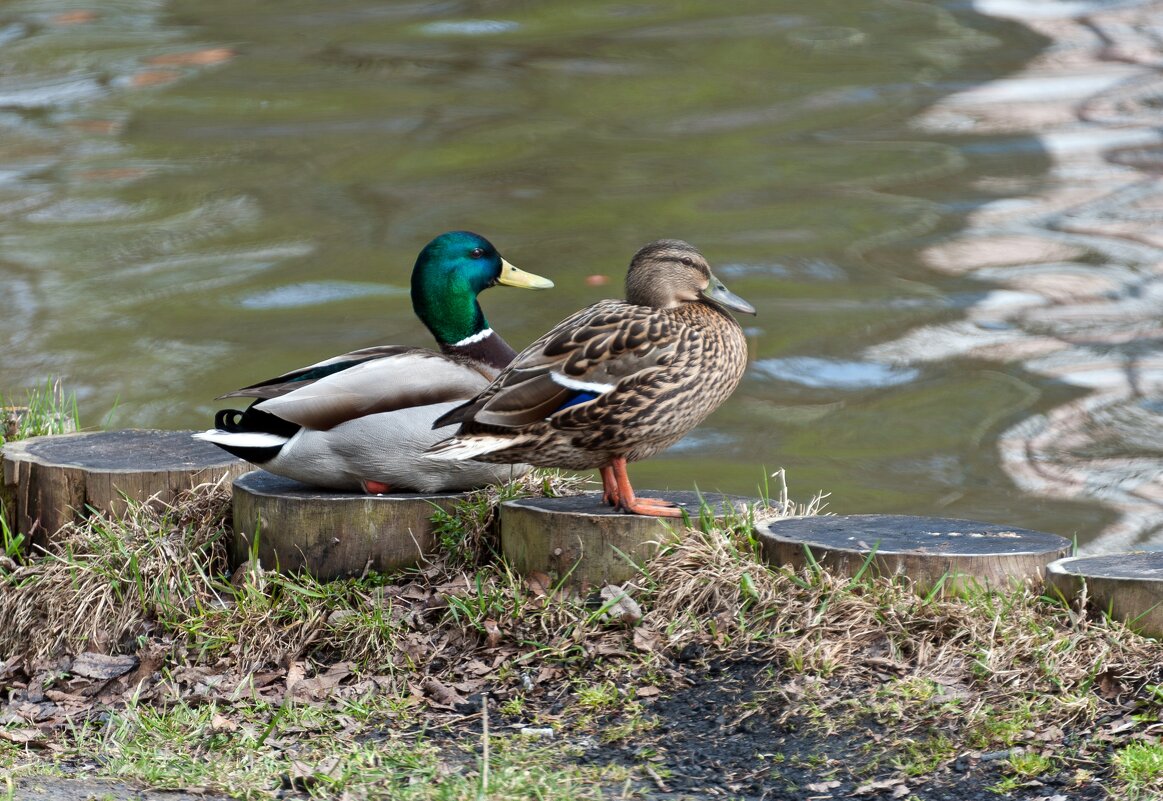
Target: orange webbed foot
653	507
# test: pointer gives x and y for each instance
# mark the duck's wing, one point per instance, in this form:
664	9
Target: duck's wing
412	377
580	359
297	379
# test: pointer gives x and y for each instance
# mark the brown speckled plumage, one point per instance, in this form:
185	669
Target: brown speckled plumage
670	354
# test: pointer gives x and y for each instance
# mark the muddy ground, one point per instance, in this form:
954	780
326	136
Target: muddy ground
722	731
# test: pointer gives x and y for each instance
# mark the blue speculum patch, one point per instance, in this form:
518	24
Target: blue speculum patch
577	398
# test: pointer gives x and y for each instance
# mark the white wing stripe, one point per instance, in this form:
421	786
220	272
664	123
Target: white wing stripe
581	386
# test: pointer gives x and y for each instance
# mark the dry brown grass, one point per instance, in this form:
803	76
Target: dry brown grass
1013	644
104	580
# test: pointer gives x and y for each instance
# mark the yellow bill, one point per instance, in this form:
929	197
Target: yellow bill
512	276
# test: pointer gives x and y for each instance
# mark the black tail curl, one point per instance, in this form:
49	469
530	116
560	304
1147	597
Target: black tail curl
253	420
229	420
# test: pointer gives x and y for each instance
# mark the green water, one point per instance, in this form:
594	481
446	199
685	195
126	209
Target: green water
170	231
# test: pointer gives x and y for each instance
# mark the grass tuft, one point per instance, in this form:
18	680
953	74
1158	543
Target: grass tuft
42	411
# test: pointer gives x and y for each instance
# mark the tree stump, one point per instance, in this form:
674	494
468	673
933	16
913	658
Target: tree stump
296	528
587	543
927	550
50	481
1127	586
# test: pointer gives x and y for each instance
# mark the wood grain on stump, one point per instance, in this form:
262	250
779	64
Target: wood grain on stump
924	549
50	481
1128	586
330	534
580	537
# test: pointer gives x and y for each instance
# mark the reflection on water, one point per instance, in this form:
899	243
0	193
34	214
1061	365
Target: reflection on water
1080	256
198	194
834	373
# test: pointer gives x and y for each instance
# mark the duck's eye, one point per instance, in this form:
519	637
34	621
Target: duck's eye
477	253
688	261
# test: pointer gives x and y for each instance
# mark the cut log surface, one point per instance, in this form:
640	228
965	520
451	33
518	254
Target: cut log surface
329	534
49	481
927	550
580	537
1128	586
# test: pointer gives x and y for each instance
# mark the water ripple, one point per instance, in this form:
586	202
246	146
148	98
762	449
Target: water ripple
819	373
313	293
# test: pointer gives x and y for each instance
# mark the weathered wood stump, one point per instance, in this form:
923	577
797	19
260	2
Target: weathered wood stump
296	528
51	481
581	539
1127	586
927	550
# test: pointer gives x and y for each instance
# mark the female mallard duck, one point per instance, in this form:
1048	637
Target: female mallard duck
364	419
616	382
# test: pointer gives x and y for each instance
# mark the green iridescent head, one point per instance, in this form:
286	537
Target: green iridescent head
449	273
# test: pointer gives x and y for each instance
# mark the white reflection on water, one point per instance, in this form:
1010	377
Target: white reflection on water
810	371
471	27
311	293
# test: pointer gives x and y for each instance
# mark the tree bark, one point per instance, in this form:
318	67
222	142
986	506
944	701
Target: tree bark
1127	586
292	528
50	481
586	543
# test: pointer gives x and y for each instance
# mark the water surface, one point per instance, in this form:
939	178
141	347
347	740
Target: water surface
198	194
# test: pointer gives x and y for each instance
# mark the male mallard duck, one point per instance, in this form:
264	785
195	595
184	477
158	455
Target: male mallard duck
363	420
616	382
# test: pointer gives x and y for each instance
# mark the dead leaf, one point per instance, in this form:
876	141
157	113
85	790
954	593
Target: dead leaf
476	667
415	592
619	607
319	687
650	691
645	640
100	666
548	674
822	787
22	736
1053	734
295	674
493	632
882	784
441	695
222	723
303	775
469	687
539	584
608	647
1108	685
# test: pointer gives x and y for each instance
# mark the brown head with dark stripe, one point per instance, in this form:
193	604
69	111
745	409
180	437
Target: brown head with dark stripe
669	272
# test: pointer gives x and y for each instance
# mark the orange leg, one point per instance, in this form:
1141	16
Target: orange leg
609	486
627	502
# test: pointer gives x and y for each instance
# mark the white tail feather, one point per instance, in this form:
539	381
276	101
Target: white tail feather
241	439
456	448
